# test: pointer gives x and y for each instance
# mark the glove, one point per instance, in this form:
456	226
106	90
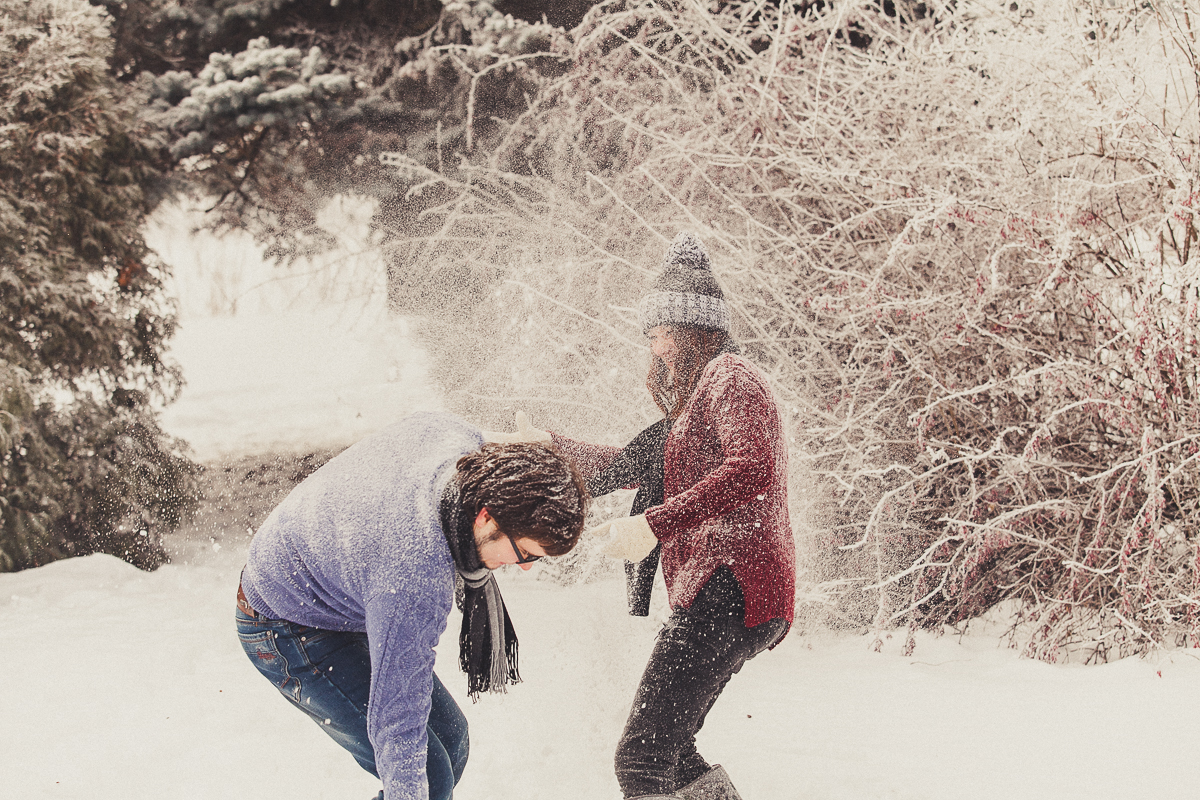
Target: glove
524	433
629	538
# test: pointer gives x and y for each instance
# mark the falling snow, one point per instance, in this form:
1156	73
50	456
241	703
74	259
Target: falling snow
120	684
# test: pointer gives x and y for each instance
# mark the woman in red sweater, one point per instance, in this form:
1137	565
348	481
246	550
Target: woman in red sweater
728	557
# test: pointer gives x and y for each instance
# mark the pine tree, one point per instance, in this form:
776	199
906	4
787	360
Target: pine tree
272	107
84	466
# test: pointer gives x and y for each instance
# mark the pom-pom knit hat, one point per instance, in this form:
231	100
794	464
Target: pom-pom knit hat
686	293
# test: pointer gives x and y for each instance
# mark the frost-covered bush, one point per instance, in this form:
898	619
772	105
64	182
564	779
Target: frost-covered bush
84	466
960	240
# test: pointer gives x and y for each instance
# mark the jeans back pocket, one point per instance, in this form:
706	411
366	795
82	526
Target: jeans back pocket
261	648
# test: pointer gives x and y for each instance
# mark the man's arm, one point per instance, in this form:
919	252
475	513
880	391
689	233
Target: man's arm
402	634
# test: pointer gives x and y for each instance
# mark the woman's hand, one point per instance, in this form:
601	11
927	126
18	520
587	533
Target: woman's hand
629	538
525	433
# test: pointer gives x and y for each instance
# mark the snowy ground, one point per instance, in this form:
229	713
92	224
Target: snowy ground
117	684
121	684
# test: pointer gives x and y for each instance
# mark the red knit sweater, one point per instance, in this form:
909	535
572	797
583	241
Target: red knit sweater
725	490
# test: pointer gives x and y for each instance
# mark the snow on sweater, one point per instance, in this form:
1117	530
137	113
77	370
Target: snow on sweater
725	492
358	546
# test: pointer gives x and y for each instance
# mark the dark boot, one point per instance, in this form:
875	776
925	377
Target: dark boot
712	785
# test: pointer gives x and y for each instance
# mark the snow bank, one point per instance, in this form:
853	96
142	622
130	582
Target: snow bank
121	684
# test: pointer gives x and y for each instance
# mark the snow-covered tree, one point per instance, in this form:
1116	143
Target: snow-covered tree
84	466
275	106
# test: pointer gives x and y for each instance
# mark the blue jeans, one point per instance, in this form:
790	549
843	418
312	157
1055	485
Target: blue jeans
327	675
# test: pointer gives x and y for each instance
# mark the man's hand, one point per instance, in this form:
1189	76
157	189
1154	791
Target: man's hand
525	433
629	538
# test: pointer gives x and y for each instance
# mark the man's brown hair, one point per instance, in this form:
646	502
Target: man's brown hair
531	490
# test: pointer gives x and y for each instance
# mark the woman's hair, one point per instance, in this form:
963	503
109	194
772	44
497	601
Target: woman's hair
696	347
531	490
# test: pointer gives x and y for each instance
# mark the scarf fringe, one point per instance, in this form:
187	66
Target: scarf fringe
487	642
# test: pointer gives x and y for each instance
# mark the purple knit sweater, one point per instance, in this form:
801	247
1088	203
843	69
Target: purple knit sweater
358	546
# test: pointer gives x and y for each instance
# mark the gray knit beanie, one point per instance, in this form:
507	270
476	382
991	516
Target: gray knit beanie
686	293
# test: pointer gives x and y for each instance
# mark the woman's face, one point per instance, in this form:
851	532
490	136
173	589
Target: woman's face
662	344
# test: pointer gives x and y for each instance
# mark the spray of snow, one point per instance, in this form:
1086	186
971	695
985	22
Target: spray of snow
120	684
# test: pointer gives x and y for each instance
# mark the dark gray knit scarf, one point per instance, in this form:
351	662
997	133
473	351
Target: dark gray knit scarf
487	643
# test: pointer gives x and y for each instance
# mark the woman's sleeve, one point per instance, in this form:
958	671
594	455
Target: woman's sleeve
746	421
589	459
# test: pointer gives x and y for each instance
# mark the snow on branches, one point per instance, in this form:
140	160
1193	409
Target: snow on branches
244	93
961	240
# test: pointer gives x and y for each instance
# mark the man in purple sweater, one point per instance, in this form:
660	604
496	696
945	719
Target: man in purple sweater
350	579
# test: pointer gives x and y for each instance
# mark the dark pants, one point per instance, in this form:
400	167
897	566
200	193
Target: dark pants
327	675
697	652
